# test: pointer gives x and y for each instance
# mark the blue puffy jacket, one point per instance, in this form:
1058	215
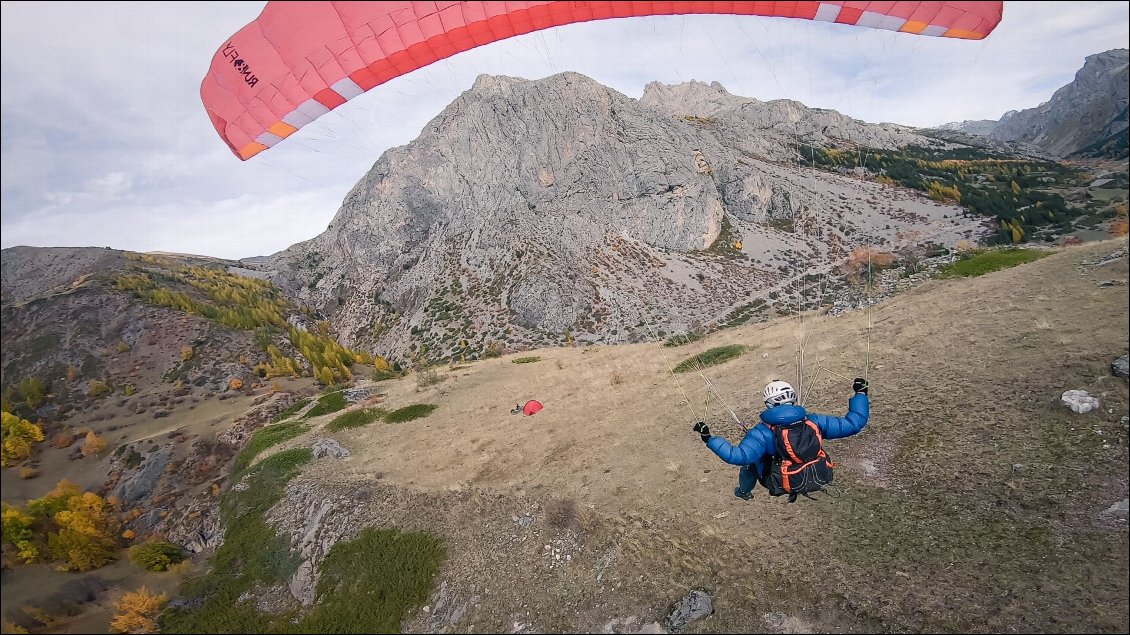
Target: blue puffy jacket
758	442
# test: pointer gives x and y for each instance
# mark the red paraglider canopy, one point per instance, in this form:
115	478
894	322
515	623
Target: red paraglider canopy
299	60
532	407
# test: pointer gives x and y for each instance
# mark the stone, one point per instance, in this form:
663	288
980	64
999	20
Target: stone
696	605
1079	401
1121	367
324	447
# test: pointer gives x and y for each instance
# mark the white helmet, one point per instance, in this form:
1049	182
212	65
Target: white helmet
779	392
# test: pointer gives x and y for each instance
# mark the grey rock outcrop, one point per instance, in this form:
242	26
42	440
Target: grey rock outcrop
1088	110
137	484
530	213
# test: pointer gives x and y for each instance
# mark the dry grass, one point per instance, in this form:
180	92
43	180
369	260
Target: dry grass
917	538
563	514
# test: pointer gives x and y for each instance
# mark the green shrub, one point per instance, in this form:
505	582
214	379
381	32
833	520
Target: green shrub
382	374
134	459
252	553
680	339
526	360
289	412
370	583
264	438
408	413
326	404
156	555
98	388
979	263
711	357
356	419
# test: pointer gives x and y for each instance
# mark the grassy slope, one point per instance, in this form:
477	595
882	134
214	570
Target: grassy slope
971	503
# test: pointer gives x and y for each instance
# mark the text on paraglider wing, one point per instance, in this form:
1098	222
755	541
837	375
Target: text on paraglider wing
241	67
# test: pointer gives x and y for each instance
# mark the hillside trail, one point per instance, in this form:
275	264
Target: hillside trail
956	497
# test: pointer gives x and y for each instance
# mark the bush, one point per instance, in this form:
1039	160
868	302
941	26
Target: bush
356	419
369	584
408	413
138	611
711	357
156	555
98	388
428	377
326	404
293	408
93	444
381	374
981	262
494	349
62	440
264	438
18	435
684	338
526	360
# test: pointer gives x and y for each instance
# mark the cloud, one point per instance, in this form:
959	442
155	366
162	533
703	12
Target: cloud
234	228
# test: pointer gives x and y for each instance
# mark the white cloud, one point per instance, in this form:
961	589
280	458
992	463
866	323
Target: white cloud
233	228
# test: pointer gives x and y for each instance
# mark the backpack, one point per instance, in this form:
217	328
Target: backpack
800	465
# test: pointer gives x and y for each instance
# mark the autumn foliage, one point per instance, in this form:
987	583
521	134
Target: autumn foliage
18	435
93	445
75	528
864	258
137	611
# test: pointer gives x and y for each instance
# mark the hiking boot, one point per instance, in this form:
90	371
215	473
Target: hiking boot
742	495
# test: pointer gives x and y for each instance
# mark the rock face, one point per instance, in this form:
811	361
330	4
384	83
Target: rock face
771	129
1088	111
534	213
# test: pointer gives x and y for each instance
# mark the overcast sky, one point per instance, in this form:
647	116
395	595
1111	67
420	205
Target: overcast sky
106	143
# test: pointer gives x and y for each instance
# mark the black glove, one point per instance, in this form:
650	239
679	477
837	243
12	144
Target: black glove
703	430
860	385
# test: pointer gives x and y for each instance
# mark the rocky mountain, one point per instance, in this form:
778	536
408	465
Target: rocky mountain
541	212
980	127
1089	111
772	129
69	323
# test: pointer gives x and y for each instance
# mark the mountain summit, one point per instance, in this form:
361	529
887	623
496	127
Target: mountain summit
538	212
1089	111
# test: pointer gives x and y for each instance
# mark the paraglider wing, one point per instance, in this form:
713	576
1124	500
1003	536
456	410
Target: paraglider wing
299	60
